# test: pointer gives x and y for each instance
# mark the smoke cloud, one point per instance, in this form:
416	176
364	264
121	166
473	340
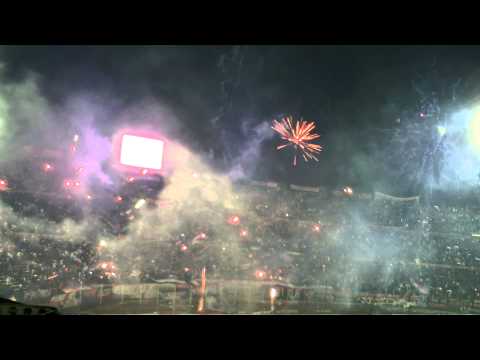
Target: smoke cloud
245	164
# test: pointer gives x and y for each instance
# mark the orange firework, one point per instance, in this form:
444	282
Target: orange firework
299	136
203	285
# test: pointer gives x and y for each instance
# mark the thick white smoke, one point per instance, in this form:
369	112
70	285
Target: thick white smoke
245	164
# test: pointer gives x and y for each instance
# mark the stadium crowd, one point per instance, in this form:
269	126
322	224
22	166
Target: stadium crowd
360	244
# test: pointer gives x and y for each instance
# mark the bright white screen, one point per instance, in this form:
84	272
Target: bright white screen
141	152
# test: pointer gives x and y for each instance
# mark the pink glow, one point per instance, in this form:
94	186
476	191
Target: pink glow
234	220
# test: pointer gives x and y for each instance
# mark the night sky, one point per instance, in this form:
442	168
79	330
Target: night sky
350	91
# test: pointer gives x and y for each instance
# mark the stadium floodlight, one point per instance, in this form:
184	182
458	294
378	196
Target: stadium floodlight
141	152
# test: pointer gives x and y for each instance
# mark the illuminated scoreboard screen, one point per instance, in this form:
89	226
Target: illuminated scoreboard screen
140	153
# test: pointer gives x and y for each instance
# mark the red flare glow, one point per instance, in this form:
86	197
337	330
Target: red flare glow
196	239
234	220
3	185
259	274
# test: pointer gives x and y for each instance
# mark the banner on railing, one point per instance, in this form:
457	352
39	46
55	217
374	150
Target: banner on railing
269	184
382	196
305	188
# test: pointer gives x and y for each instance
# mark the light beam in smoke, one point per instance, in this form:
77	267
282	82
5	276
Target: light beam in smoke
442	130
201	303
273	296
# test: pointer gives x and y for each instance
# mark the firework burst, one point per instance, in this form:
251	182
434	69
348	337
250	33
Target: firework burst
300	136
